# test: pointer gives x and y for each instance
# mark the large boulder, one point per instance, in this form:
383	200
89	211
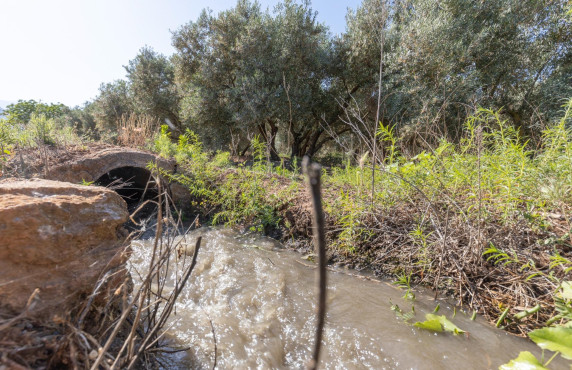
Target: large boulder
60	238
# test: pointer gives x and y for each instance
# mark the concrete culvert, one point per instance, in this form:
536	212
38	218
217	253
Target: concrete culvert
135	185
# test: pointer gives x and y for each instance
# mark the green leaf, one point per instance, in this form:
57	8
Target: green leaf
86	183
438	324
566	292
557	339
432	325
524	361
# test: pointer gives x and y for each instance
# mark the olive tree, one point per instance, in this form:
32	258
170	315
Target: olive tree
112	102
151	82
246	71
445	59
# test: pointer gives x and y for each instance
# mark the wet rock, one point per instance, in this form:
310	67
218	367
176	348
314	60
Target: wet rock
60	238
182	198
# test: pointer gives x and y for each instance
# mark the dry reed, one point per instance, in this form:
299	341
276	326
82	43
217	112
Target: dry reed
123	329
135	130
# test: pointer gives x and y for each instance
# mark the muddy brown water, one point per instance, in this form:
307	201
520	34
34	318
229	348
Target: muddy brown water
261	299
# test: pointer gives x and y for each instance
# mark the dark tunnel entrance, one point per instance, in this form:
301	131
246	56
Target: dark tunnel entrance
135	185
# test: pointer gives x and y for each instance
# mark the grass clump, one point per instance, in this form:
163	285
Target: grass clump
43	136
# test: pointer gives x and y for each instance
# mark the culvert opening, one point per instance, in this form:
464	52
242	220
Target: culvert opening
135	185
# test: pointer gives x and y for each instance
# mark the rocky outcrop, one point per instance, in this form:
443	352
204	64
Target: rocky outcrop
60	238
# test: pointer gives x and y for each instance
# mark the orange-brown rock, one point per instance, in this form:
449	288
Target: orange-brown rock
60	238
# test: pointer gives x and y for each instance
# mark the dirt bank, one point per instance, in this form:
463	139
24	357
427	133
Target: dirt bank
487	267
428	241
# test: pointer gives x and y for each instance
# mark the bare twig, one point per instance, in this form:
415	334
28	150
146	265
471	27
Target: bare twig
168	308
29	305
379	87
215	344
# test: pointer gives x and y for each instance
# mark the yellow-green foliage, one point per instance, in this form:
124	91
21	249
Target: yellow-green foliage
163	145
492	166
40	130
243	197
491	174
556	336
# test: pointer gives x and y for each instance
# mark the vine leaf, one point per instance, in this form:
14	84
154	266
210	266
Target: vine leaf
525	360
438	324
557	339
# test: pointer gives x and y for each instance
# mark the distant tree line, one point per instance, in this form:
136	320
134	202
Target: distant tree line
79	118
422	66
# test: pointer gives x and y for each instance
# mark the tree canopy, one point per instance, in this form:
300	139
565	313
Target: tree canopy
151	79
280	74
22	111
247	72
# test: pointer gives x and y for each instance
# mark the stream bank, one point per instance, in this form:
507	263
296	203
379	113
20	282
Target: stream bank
430	241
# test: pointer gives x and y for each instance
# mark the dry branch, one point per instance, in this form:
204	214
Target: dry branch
313	171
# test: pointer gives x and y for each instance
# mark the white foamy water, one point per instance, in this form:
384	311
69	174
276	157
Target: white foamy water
261	299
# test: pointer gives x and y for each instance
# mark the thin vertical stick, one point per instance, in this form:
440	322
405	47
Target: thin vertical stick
214	340
442	256
375	127
313	171
479	138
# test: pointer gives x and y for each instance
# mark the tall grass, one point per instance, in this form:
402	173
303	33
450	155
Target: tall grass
41	133
136	130
38	132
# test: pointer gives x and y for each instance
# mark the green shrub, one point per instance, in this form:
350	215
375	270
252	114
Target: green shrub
163	145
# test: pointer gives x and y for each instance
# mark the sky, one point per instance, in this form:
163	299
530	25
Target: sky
60	51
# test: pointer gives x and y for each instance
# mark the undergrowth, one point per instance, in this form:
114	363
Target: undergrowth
39	133
463	217
242	198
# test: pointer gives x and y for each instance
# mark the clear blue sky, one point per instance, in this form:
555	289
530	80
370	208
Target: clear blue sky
62	50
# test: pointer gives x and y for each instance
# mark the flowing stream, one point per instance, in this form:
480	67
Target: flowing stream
261	299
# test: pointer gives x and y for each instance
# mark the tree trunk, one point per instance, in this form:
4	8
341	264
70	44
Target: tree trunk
273	132
243	153
516	117
313	148
295	147
270	138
